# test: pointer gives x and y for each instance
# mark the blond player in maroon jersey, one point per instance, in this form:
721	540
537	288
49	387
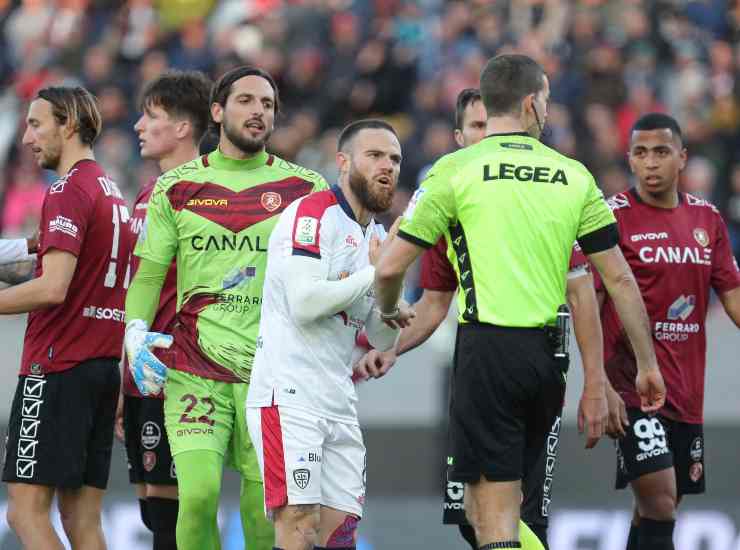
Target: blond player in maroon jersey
679	251
60	432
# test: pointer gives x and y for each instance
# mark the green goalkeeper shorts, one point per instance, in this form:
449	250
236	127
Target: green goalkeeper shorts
209	415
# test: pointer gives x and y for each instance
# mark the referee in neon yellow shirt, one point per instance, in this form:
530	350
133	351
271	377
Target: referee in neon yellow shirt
510	207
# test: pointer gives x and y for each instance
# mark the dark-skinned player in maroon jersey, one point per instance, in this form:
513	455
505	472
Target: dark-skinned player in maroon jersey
60	433
679	251
174	117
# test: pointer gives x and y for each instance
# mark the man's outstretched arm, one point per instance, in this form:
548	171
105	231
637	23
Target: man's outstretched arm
622	287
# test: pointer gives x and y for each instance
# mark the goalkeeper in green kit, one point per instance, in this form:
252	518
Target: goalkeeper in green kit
214	215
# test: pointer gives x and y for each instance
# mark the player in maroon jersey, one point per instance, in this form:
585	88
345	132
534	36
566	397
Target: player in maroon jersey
174	117
678	248
60	432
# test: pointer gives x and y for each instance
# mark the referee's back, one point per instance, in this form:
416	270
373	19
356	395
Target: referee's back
511	208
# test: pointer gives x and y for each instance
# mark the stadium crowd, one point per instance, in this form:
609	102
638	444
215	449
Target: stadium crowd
340	60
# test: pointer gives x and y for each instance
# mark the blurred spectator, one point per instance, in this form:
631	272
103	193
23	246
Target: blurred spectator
24	197
733	209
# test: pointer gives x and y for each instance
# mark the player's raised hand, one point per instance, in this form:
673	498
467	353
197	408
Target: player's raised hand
149	372
651	388
618	419
593	413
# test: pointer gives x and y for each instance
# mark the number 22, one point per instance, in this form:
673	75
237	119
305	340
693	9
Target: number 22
193	401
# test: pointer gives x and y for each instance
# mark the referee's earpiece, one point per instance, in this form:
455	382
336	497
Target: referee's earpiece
537	118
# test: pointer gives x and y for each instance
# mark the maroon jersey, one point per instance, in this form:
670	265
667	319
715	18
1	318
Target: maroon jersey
437	272
83	214
677	256
167	309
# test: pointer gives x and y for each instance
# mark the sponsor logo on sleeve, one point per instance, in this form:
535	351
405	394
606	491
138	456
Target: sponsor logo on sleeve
306	230
63	225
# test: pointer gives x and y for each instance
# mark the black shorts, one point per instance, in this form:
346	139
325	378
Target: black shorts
507	390
147	448
536	488
60	431
654	443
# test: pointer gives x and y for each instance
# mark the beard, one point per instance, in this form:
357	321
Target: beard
248	145
50	158
375	200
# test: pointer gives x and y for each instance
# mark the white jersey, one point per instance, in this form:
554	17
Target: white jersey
318	294
13	250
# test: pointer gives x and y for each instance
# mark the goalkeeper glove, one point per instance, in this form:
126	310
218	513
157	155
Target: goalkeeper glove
149	372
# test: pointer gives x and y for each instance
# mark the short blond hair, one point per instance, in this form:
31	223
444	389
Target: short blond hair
77	105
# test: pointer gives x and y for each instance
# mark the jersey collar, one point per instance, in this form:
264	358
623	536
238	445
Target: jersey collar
509	134
633	191
342	202
218	160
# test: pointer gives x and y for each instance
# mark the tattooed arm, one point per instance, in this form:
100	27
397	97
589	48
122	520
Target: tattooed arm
17	272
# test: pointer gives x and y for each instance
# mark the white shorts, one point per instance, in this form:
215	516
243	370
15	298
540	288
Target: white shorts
306	459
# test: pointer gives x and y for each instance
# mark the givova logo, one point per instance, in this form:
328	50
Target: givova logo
651	438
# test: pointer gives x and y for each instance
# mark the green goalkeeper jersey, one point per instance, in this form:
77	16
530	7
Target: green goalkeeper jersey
215	215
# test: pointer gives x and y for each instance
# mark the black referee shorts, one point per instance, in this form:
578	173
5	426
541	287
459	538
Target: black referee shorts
507	390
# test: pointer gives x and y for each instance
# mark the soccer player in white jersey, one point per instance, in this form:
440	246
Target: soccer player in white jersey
318	295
